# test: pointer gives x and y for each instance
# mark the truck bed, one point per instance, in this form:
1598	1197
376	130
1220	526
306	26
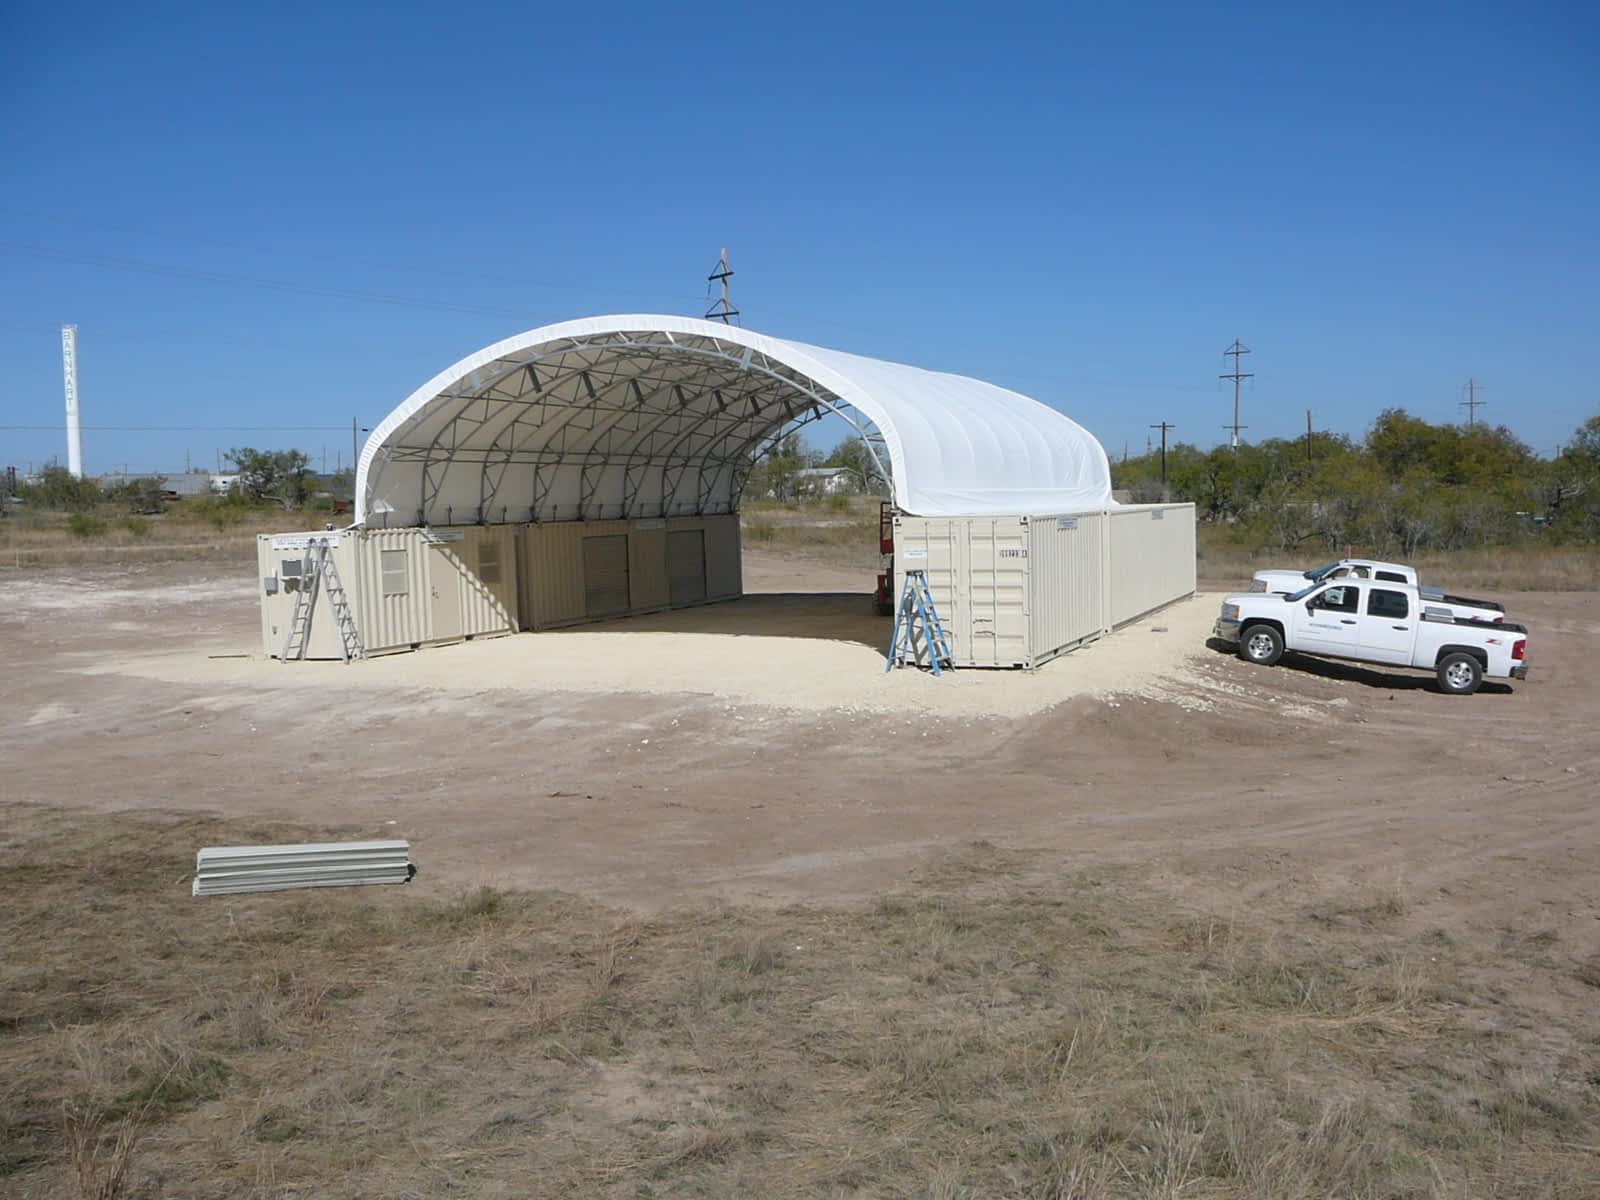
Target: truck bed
1439	616
1439	595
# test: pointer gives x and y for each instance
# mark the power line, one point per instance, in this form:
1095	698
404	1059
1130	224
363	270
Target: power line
107	262
1472	404
178	428
279	252
1237	376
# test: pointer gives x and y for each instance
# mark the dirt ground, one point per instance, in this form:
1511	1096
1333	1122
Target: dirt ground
1441	854
1236	782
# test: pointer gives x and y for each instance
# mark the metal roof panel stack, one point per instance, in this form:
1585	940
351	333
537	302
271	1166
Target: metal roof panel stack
227	870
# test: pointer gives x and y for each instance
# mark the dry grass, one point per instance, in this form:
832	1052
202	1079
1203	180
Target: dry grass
842	530
102	1159
47	539
983	1035
1504	568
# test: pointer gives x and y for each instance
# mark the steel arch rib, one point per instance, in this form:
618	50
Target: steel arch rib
977	445
602	334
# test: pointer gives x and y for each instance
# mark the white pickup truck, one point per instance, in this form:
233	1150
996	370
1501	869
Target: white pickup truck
1374	621
1284	582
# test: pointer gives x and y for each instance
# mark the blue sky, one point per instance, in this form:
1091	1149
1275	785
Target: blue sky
290	216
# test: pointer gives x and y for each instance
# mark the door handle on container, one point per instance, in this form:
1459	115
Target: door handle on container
1402	628
1346	621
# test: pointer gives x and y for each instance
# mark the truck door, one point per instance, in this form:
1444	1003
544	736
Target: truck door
1388	626
1330	627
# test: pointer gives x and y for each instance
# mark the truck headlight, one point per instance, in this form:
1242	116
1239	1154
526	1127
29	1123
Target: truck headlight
1230	612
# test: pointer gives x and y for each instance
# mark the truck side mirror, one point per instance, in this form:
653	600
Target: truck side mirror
1311	607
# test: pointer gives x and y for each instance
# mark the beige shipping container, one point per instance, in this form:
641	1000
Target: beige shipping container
576	571
405	587
1017	591
472	581
1152	558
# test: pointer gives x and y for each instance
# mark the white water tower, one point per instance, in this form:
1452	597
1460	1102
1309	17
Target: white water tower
69	371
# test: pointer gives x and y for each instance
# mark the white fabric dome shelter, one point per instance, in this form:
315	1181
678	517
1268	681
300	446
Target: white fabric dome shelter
652	416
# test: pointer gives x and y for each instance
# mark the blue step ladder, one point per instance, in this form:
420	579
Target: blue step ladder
917	629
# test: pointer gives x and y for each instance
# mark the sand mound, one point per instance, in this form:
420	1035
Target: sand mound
826	660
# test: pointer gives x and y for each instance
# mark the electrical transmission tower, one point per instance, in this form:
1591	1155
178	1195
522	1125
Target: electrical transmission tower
1472	404
723	309
1238	377
1164	426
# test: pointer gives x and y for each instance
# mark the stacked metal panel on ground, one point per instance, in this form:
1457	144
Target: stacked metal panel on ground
228	870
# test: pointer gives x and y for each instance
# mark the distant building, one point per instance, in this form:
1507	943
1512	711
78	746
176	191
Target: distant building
178	486
194	483
825	481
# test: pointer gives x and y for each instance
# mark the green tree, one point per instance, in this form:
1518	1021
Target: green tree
853	455
272	476
773	474
57	488
144	494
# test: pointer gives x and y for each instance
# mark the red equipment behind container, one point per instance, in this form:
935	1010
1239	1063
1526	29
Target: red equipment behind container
882	600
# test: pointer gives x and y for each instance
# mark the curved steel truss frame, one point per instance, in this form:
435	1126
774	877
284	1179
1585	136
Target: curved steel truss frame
634	424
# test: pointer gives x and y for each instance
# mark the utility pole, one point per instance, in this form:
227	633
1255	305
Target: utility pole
1308	435
1472	404
723	310
355	451
1238	377
1164	426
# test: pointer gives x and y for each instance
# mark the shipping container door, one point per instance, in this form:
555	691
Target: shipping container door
997	572
605	575
686	566
444	582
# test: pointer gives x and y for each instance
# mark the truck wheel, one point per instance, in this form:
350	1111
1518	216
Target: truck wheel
1459	674
1260	644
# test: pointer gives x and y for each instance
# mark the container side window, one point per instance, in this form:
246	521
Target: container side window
489	561
395	575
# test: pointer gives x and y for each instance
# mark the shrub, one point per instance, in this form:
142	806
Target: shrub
85	525
761	531
838	504
222	513
139	527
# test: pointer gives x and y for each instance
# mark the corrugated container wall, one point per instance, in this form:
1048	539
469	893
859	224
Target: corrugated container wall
406	587
1067	605
390	590
576	571
1151	558
1017	591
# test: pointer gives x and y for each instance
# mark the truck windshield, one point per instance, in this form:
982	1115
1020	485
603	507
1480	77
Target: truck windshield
1305	591
1316	575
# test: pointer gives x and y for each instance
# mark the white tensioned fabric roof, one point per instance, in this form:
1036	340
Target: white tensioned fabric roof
647	416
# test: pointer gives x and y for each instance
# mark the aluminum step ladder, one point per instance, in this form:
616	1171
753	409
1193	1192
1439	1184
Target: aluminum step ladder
916	616
319	566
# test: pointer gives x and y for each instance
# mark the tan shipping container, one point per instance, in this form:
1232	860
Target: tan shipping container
405	587
1152	558
1017	591
577	571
